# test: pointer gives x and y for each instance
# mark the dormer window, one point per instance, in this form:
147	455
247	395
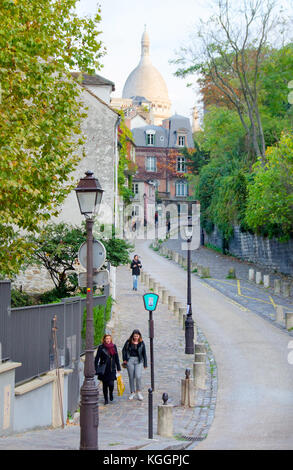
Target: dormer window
150	137
181	140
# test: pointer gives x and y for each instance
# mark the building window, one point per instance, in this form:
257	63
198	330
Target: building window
135	188
181	140
150	138
151	164
181	167
181	188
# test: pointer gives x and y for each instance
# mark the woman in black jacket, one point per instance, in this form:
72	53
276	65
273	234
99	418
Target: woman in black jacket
106	362
134	357
136	267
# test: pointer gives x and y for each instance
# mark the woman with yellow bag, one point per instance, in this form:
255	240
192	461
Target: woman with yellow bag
106	363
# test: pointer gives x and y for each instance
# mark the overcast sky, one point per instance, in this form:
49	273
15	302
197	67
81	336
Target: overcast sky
168	23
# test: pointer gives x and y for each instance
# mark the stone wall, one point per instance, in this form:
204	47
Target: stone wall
34	280
266	252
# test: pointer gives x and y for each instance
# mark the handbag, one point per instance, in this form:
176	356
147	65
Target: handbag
120	385
101	370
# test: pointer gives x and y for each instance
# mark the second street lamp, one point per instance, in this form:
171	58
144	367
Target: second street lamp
189	323
89	194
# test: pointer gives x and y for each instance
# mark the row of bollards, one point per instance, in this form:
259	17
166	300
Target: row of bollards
173	305
284	318
202	271
281	287
189	386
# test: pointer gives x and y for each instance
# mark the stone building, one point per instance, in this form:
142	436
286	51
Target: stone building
98	154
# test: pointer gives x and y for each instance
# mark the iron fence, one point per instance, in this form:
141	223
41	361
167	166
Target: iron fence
26	336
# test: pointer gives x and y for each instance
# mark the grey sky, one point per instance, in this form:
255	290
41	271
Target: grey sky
168	24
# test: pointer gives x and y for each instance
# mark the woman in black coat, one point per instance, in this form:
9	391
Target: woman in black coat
106	362
136	267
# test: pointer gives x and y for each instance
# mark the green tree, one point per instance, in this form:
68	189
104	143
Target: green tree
228	52
56	248
223	133
40	113
270	194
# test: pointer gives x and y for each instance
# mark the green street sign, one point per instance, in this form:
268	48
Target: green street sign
150	301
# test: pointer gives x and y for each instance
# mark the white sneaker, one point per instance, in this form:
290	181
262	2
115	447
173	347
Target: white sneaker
131	396
139	396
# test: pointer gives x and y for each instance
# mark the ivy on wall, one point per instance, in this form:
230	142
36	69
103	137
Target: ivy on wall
126	167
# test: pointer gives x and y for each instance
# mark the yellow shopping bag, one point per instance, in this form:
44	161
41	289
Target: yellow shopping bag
120	385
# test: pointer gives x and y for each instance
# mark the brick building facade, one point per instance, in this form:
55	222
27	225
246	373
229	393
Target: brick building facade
159	157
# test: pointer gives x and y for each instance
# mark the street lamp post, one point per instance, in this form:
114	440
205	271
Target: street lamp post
89	194
189	323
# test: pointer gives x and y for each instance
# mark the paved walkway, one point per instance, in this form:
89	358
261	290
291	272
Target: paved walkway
124	424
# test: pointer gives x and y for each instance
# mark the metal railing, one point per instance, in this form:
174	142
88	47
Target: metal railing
26	337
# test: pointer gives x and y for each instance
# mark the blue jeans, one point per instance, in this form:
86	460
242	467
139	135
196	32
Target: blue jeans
135	279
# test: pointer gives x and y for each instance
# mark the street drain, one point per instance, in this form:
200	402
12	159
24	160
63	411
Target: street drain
192	439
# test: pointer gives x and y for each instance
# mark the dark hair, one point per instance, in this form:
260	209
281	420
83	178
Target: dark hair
135	332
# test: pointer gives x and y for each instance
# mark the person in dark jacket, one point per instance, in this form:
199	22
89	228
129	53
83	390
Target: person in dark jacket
107	356
136	267
134	358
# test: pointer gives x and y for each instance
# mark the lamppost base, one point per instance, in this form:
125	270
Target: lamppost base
89	415
189	335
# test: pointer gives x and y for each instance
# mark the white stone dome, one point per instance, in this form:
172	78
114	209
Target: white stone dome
145	80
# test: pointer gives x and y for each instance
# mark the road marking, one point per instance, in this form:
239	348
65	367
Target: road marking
271	302
238	287
244	309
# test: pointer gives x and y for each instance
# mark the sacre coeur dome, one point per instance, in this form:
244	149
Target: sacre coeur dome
145	80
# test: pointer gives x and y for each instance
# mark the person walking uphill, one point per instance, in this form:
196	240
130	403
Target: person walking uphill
134	358
106	362
136	267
